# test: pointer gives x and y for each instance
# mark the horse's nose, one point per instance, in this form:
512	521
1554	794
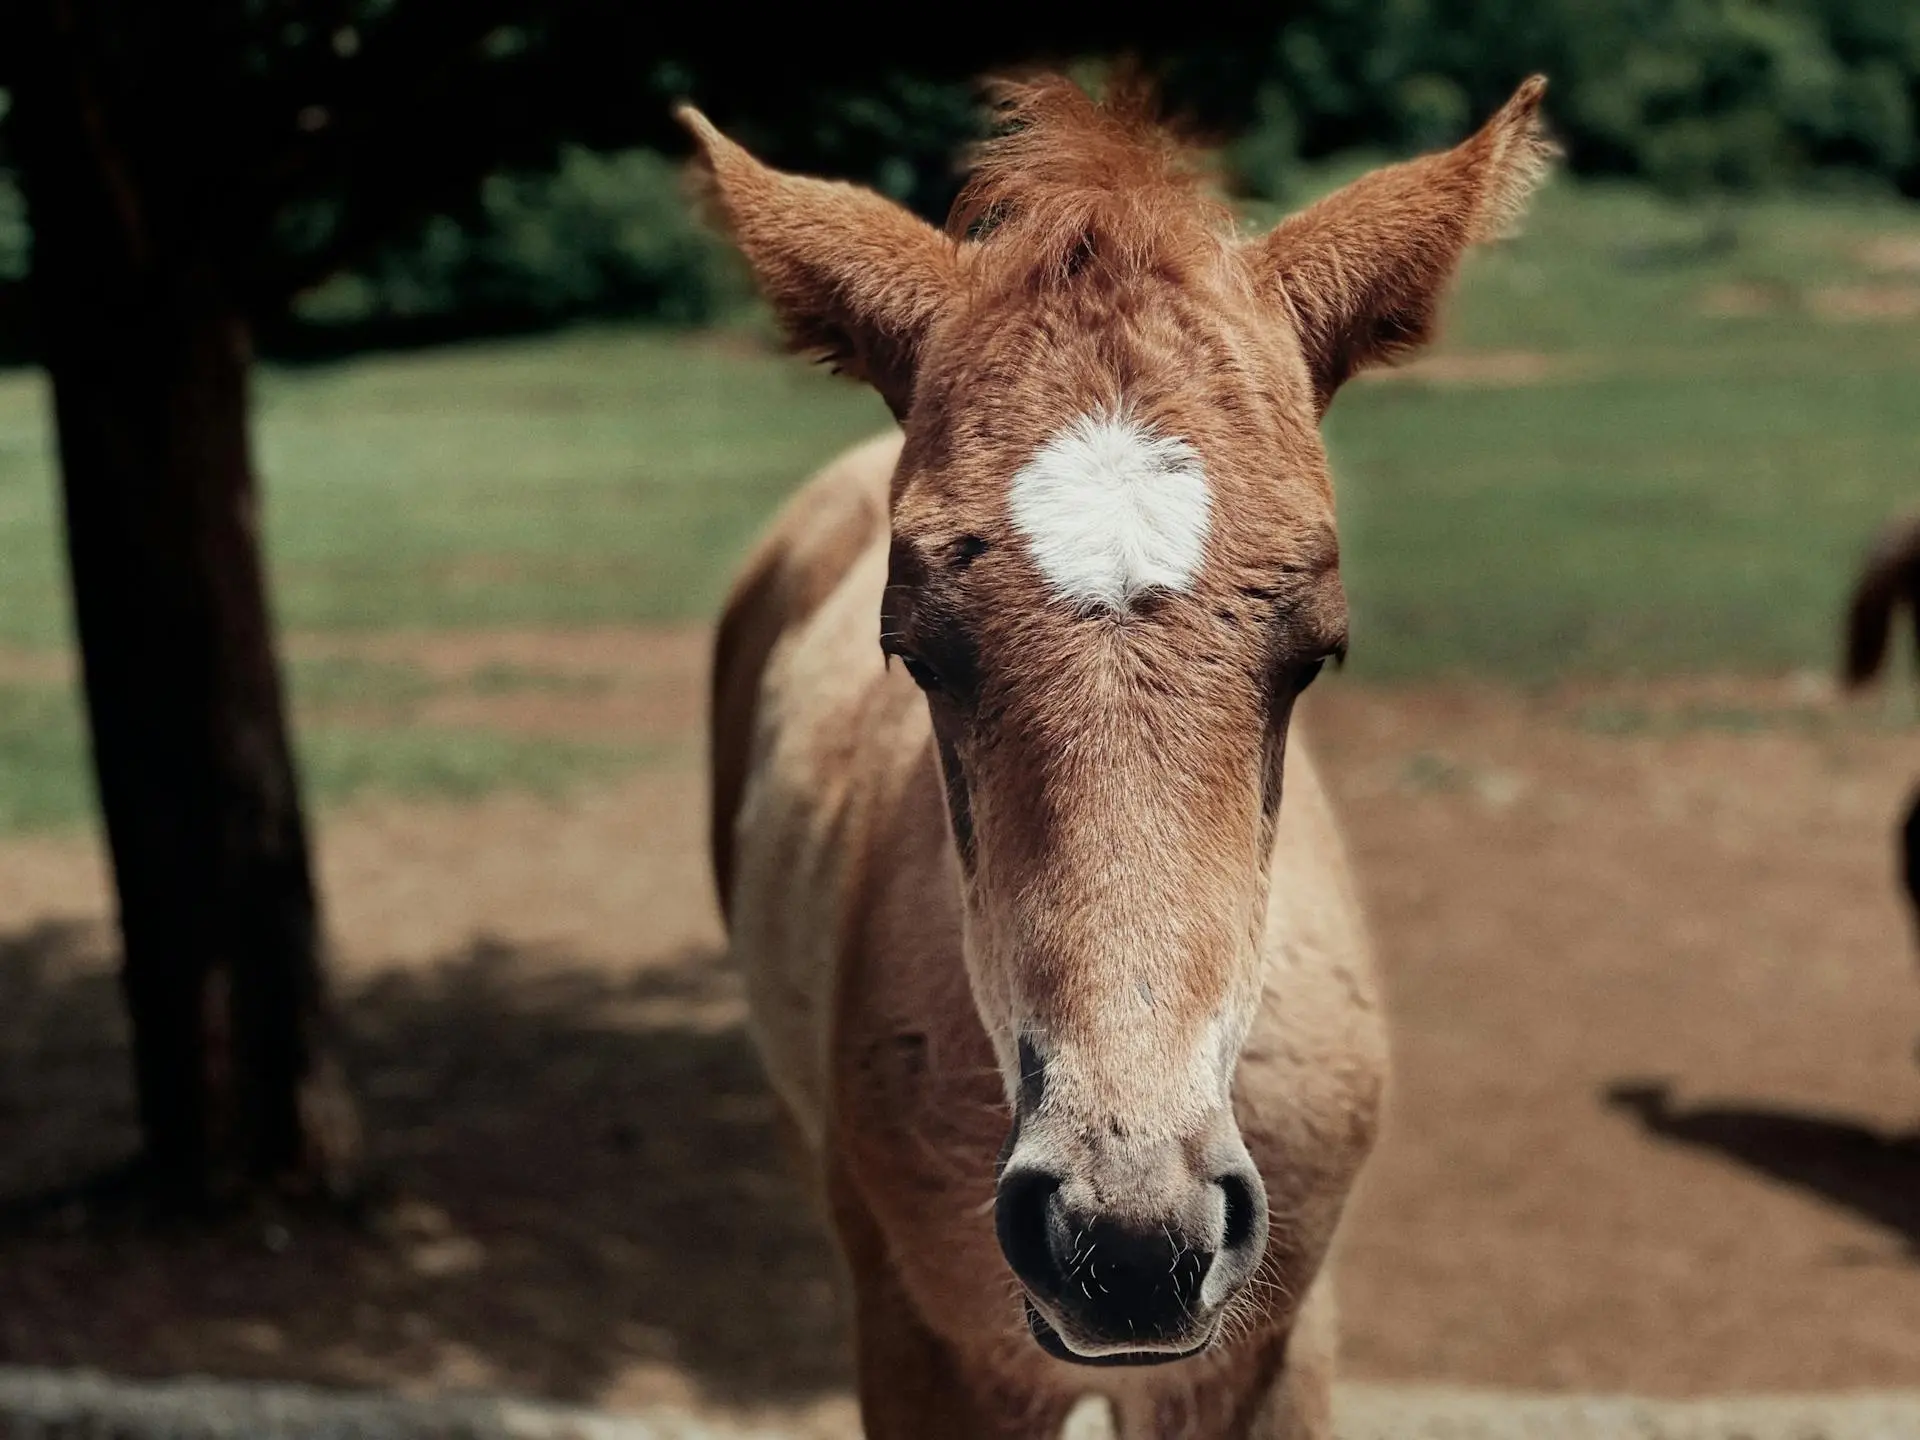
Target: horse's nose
1126	1280
1114	1281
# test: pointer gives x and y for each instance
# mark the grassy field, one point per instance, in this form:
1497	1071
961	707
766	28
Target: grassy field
1709	440
1654	441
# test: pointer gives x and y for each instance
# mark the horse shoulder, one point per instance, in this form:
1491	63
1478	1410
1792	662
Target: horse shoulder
814	742
802	556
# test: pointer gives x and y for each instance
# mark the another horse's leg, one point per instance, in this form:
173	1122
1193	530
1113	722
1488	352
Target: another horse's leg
912	1385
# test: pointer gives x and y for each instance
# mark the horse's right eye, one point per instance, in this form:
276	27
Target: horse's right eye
923	674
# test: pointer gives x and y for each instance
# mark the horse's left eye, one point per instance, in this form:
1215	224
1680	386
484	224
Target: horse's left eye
1305	674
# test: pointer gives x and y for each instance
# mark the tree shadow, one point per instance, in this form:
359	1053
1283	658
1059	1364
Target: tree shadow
1871	1172
591	1195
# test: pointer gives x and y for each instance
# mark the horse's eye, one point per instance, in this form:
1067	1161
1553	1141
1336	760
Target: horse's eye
924	675
1304	675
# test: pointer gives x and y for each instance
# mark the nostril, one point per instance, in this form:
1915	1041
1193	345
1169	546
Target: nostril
1021	1221
1243	1212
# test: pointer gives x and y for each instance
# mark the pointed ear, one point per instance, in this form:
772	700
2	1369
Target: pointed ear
854	279
1362	272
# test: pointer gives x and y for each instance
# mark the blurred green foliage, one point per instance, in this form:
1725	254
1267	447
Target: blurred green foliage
1693	95
1701	98
601	234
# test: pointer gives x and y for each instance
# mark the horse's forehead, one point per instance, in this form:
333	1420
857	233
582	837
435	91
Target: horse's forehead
1170	401
1114	501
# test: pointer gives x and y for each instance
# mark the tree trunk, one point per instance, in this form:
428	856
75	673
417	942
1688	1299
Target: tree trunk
147	343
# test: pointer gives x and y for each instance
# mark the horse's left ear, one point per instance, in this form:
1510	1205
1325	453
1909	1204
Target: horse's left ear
854	279
1362	272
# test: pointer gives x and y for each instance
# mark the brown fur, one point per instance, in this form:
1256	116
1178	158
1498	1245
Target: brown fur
786	576
1071	181
1058	891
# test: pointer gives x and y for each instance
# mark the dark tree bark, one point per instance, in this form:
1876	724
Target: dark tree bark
145	334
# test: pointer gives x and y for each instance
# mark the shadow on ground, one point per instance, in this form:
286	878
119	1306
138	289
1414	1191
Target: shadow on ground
593	1199
1869	1171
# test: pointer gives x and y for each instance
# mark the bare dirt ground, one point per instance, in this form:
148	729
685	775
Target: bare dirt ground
1494	369
1654	1127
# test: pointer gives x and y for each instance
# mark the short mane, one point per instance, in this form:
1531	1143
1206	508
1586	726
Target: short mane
1073	183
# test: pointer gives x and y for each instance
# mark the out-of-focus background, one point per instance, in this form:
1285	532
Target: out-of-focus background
1628	852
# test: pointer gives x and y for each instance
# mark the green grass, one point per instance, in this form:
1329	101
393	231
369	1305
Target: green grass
339	682
43	774
1685	492
594	477
323	686
343	763
1681	491
44	784
499	678
587	478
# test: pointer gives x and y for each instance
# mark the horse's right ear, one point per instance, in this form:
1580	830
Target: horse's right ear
854	279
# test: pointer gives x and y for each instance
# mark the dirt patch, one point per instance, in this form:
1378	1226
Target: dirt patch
1741	299
1654	1003
616	878
1881	302
637	684
1852	304
612	650
643	684
49	878
1894	254
20	665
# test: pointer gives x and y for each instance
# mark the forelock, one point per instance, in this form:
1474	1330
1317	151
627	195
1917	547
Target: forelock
1073	186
